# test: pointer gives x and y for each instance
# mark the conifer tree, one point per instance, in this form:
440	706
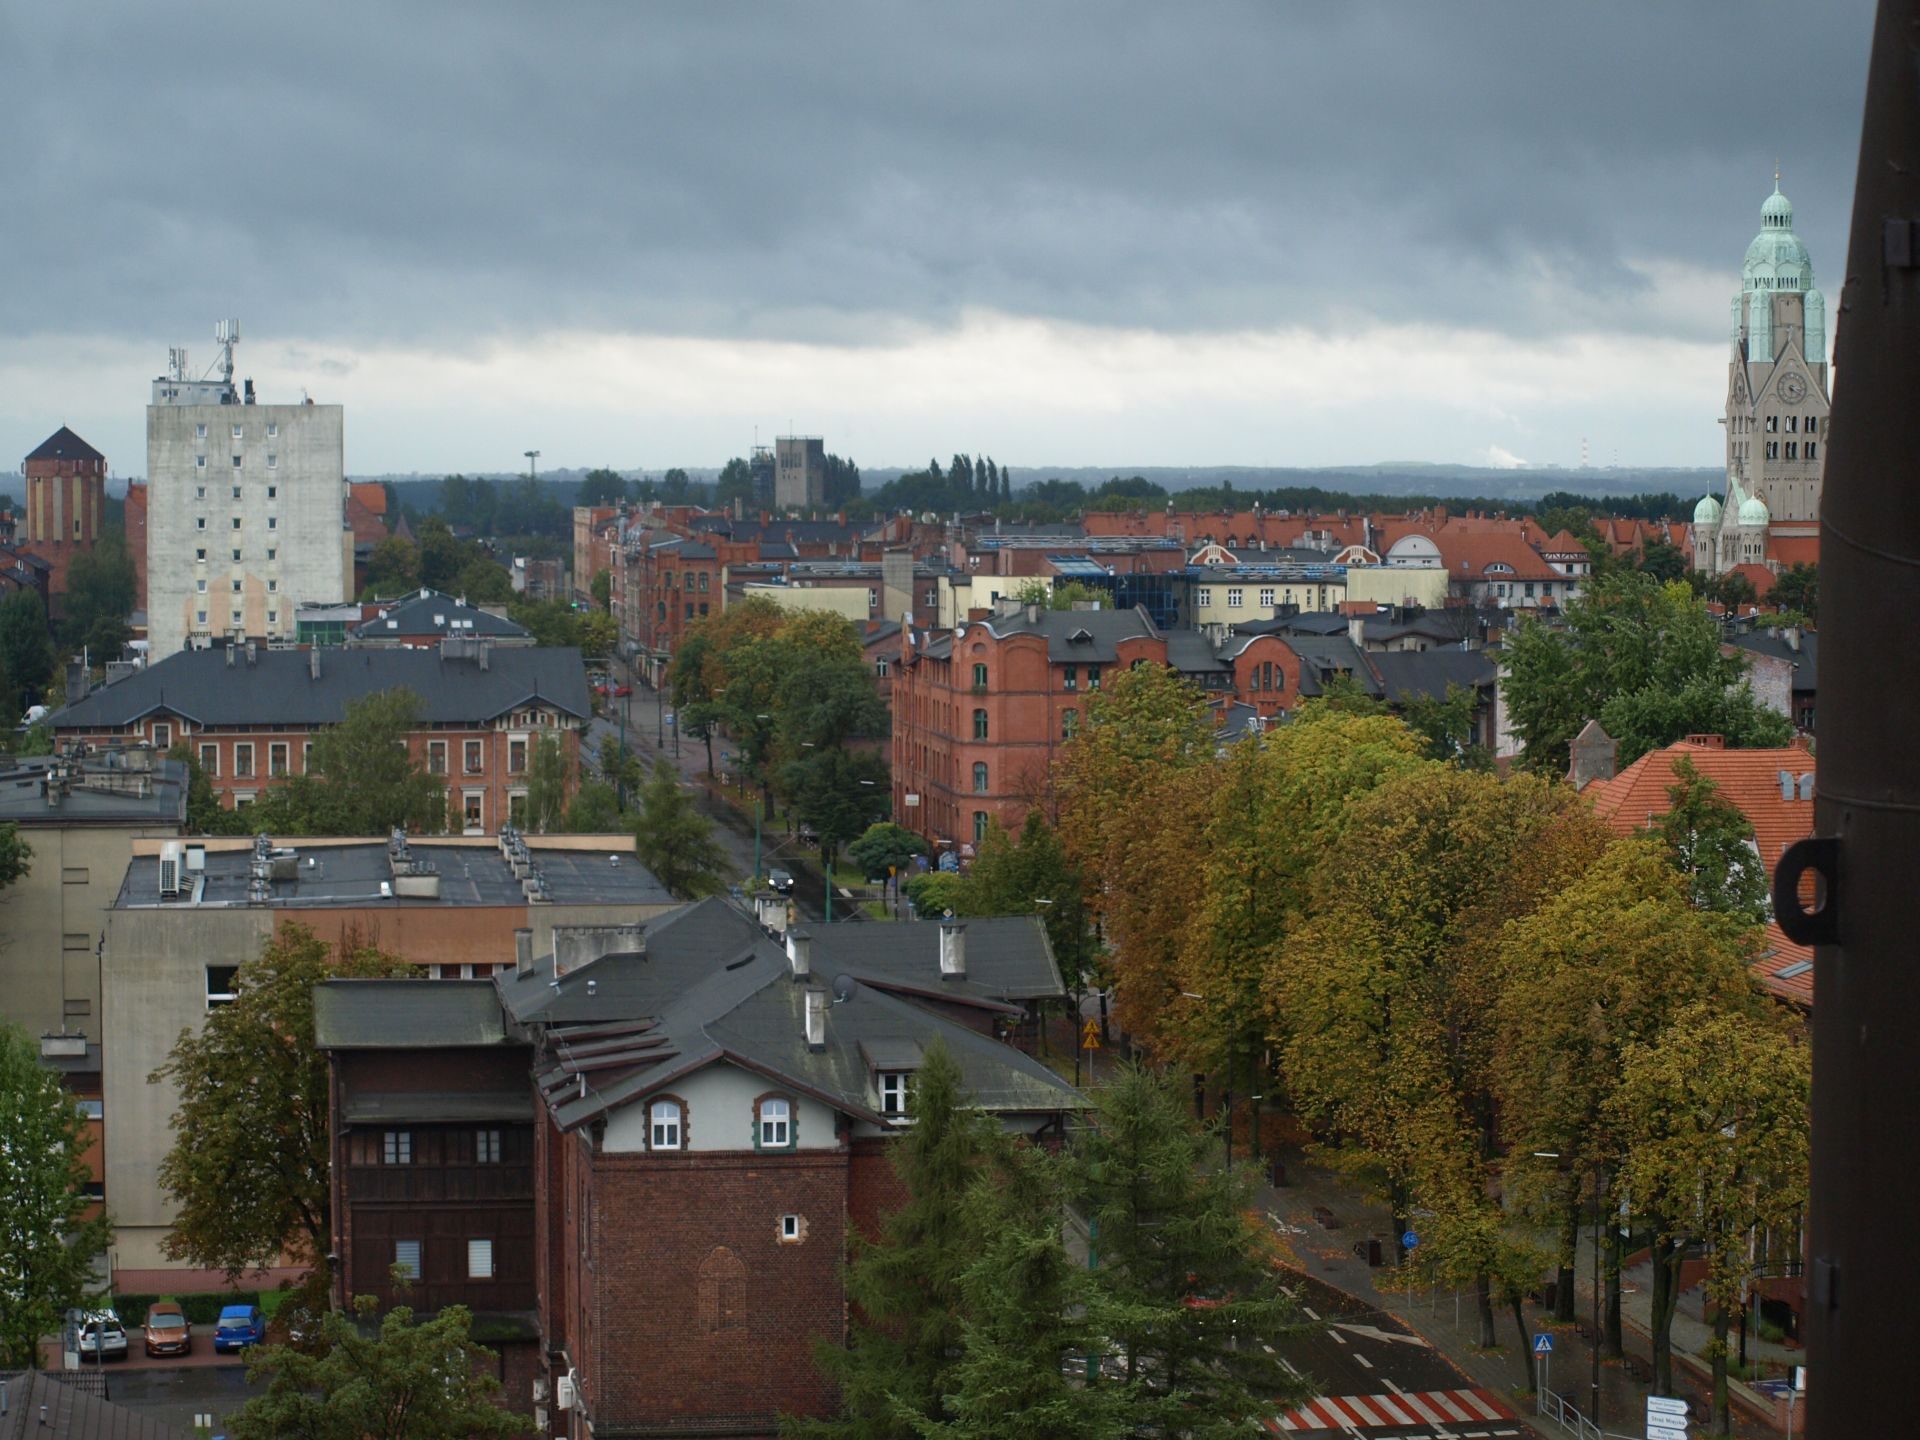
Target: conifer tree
1187	1295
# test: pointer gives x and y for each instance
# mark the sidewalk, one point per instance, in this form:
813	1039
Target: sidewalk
1449	1320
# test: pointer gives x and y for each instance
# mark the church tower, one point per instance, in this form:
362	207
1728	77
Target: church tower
1777	403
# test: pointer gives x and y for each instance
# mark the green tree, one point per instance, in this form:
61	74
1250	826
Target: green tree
1187	1287
887	848
1663	561
1716	1114
484	581
99	598
248	1173
1031	875
372	1377
1710	841
599	634
1641	657
594	809
602	588
26	652
394	566
1446	723
549	779
362	779
838	793
1798	588
735	484
205	815
906	1284
601	488
675	841
47	1248
441	557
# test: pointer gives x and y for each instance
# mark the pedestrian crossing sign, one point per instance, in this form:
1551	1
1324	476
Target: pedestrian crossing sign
1090	1035
1543	1343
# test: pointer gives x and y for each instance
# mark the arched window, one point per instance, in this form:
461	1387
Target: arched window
775	1130
666	1127
979	777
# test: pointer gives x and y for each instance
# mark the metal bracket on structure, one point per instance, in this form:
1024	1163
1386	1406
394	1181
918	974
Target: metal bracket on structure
1819	925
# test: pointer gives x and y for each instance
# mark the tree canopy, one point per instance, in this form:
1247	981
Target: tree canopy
361	778
248	1172
47	1245
674	840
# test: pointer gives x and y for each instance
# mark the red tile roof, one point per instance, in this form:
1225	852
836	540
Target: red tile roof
1749	779
1785	969
1759	575
1794	549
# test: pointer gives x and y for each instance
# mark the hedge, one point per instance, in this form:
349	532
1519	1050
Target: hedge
200	1309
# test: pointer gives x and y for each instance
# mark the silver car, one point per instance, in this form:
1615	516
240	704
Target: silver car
102	1336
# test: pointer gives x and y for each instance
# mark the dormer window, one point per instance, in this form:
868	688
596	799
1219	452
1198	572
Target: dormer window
666	1125
893	1091
773	1129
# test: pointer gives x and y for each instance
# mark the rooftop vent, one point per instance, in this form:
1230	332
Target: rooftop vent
800	953
953	949
816	1019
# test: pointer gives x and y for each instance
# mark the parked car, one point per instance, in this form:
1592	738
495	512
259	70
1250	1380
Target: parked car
621	692
780	880
102	1336
238	1327
167	1331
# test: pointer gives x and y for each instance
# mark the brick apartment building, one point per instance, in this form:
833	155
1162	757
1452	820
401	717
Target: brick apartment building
251	714
980	710
660	1203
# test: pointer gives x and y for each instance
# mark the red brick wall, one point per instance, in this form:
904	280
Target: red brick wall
698	1311
873	1188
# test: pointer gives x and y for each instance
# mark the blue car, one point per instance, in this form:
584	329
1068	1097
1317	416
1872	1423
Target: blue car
239	1326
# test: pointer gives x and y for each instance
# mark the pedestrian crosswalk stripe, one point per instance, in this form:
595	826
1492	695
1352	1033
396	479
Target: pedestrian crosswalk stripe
1439	1408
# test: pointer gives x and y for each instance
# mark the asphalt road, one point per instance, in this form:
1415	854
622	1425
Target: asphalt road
1375	1378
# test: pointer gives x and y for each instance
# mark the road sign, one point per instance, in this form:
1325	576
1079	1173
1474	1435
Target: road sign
1090	1035
1666	1405
1543	1343
1409	1240
1665	1432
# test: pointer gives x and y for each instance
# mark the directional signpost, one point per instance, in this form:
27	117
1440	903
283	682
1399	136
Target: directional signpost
1543	1352
1666	1418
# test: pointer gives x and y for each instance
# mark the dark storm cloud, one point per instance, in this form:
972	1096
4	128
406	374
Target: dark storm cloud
447	174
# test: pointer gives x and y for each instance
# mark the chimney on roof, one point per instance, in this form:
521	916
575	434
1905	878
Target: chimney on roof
229	657
1708	741
1357	631
523	952
1791	634
816	1018
953	949
1594	754
800	954
313	662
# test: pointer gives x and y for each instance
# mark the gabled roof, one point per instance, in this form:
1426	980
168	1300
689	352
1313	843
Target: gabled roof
1805	660
63	444
1008	958
277	687
74	1412
1749	779
1784	968
433	612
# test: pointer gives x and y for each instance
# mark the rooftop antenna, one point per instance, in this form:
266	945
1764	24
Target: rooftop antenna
177	363
226	334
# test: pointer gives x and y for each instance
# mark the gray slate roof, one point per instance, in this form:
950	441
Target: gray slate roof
73	1412
96	791
419	1014
1806	660
63	444
276	687
430	612
1008	958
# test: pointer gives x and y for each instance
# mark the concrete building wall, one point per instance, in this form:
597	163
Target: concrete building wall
54	920
850	602
1227	599
1425	586
800	472
287	523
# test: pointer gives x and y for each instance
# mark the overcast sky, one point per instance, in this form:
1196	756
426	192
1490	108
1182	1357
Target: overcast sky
1062	234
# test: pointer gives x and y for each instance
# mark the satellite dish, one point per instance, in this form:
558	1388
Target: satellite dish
843	987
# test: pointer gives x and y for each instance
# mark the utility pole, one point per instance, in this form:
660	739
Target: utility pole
533	465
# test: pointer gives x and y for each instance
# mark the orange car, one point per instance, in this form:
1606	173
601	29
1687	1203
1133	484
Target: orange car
167	1330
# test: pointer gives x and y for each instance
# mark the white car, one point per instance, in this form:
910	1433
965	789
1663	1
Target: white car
102	1335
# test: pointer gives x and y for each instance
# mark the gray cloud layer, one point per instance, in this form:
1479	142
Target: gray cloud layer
442	174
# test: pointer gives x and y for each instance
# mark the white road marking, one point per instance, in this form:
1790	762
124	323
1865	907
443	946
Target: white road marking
1363	1359
1374	1332
1387	1380
1310	1312
1338	1336
1266	1347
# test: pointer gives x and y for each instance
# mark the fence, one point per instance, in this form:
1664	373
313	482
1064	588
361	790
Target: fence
1564	1413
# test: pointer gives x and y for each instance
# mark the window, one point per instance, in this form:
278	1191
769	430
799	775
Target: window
1773	449
236	462
236	492
199	492
200	617
199	432
1813	424
1069	677
1793	450
979	777
236	555
162	734
237	618
1773	423
273	491
200	586
1266	599
273	522
273	463
789	1227
1813	450
242	758
436	757
236	432
979	724
472	816
776	1124
273	430
664	1125
893	1092
406	1258
872	601
396	1147
277	758
1793	424
979	676
1069	724
306	757
703	609
1236	598
91	1109
517	809
1203	597
272	555
1093	677
516	757
666	579
236	522
980	822
480	1259
236	587
472	760
689	610
210	759
199	522
486	1147
220	984
273	587
201	555
199	462
880	666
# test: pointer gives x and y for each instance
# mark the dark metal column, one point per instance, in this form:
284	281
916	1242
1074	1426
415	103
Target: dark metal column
1864	1261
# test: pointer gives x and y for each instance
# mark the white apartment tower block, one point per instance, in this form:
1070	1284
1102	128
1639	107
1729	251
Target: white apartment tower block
246	510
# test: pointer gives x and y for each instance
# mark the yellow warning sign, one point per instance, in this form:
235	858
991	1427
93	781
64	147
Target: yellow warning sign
1090	1036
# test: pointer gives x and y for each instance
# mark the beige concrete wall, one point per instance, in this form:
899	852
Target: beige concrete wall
1213	598
1398	585
847	601
51	923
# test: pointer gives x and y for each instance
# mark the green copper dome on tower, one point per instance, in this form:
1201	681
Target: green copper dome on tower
1707	512
1777	259
1753	511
